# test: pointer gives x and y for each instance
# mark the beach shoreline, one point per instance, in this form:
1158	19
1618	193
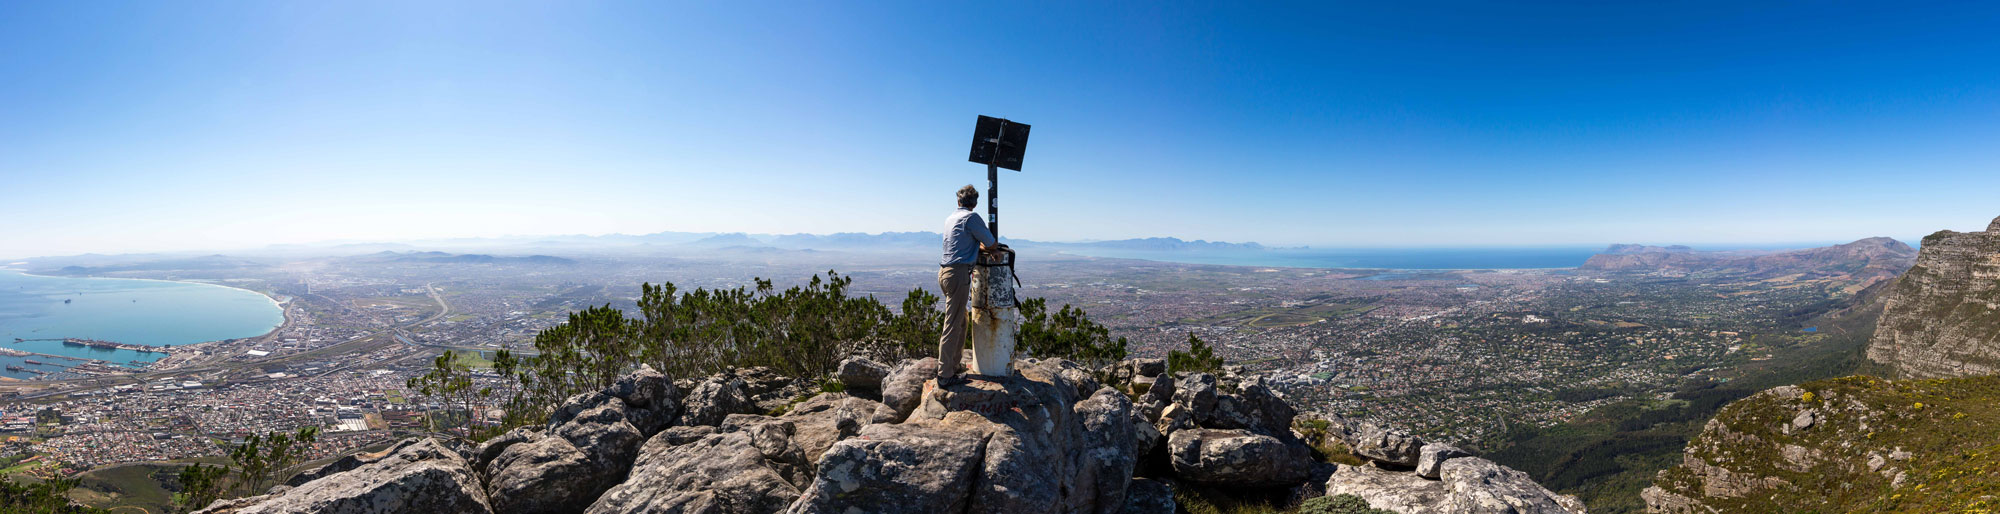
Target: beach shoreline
284	314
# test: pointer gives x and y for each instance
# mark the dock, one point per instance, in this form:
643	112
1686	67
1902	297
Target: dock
105	345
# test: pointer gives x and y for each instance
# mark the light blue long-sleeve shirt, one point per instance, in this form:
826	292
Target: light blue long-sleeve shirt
965	230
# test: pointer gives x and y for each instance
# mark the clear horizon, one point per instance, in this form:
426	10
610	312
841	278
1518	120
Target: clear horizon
208	126
497	242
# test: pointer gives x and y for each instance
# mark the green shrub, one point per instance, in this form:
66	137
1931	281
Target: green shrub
1200	358
50	497
800	332
1068	333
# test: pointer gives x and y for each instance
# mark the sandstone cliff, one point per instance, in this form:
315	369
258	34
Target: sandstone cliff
1943	316
1050	438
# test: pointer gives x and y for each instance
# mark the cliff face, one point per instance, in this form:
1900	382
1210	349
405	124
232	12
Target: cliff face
1943	316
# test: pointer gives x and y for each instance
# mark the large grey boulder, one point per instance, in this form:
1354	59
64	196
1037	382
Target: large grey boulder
1405	493
492	448
588	446
1470	485
424	476
777	439
351	462
861	374
1479	485
895	469
567	466
1390	446
1256	407
733	472
1196	392
676	436
828	418
903	389
1430	460
714	399
1049	439
1161	392
767	389
1237	458
1034	441
1146	367
1109	452
651	399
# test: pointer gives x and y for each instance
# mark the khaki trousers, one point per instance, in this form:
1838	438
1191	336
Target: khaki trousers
956	282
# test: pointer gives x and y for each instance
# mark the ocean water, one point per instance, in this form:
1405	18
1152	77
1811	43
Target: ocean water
1369	258
149	312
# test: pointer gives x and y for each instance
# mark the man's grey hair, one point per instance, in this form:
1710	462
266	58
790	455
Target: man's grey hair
968	196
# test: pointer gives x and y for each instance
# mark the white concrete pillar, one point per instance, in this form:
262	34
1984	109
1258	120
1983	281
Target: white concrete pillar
995	315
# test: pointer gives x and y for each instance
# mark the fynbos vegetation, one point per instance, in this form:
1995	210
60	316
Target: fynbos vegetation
802	331
1199	358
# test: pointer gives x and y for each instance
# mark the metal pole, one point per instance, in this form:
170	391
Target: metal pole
993	201
993	186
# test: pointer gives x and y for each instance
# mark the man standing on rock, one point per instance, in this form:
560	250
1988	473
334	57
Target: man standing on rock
965	235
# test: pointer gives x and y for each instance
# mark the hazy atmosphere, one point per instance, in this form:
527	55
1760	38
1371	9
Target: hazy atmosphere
145	126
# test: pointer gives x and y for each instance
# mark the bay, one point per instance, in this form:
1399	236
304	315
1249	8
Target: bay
148	312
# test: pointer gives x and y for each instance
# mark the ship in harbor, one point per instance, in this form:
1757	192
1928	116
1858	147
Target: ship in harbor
35	362
11	367
108	345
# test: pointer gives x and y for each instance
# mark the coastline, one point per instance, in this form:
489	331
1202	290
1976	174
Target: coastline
284	314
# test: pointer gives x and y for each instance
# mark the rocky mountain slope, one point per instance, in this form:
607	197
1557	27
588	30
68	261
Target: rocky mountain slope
1050	438
1864	261
1929	442
1856	444
1943	316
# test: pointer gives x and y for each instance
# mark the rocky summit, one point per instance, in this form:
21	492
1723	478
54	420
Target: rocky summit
1052	438
1943	316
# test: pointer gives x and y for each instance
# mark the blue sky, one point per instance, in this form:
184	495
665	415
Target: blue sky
211	125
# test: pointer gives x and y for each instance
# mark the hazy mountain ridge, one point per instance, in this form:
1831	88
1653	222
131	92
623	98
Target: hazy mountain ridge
1866	260
207	262
471	258
1629	249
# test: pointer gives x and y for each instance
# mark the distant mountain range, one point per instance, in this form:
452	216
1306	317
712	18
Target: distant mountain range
857	241
206	262
1867	260
468	258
